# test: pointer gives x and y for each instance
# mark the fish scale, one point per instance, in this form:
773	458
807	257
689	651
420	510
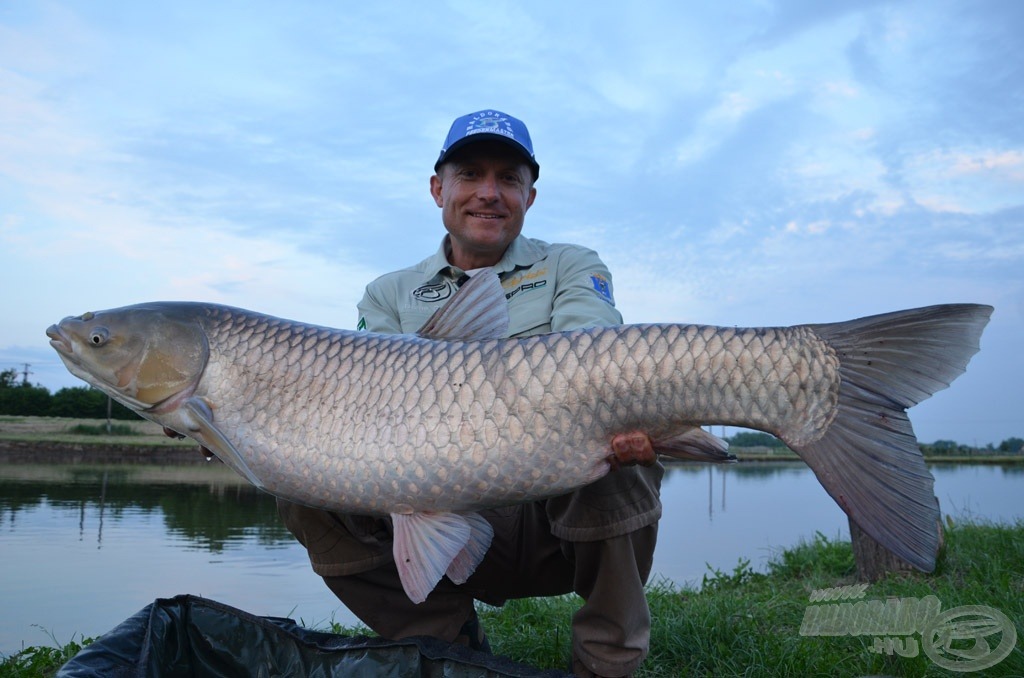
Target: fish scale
430	428
604	385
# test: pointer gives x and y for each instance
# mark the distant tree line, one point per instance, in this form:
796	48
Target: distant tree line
939	447
80	402
952	448
83	402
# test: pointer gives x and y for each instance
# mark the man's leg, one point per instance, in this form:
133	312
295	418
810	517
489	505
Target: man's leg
609	530
378	599
353	556
611	631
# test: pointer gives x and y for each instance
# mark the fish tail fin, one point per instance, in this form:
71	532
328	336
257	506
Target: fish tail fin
869	459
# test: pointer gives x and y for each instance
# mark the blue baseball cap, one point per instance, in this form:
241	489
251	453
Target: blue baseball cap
489	125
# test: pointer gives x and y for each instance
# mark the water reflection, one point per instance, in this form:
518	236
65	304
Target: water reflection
95	543
203	506
208	507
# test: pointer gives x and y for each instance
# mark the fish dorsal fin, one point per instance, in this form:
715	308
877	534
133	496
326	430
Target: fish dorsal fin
477	311
426	545
200	424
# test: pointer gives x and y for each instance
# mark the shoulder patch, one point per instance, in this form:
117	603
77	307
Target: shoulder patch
602	287
361	325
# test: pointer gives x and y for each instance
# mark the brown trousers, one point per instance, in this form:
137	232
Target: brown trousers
597	542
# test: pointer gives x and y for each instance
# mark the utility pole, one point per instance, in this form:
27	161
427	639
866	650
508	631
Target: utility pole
24	373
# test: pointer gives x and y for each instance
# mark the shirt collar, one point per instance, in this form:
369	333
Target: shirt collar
521	253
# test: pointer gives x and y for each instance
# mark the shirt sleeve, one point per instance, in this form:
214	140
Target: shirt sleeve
377	310
583	297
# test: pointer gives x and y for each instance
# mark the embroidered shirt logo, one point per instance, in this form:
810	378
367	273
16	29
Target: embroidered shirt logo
432	292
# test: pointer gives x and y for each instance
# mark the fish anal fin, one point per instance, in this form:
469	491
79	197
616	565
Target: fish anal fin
695	444
198	416
478	311
691	444
425	545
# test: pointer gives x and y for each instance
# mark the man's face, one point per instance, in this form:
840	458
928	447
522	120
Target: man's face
483	192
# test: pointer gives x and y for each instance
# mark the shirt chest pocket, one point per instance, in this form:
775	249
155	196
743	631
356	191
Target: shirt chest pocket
524	319
530	312
412	319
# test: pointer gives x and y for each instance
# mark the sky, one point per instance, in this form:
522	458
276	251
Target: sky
747	163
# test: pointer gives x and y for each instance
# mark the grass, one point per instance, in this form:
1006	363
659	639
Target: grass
747	623
102	430
91	432
41	660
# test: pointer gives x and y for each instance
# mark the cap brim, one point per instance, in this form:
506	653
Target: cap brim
484	136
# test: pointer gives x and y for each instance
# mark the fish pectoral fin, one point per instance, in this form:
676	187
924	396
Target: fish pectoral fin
465	563
200	420
427	544
477	311
695	444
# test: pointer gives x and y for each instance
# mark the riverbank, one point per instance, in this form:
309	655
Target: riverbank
743	455
45	439
68	440
753	624
757	624
86	432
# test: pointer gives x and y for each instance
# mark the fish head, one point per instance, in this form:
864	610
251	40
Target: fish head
148	357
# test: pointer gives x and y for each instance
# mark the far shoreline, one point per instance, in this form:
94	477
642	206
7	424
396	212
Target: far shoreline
76	452
14	450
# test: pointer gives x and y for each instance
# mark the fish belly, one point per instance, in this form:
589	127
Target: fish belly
379	424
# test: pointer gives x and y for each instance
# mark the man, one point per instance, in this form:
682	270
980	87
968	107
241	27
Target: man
597	541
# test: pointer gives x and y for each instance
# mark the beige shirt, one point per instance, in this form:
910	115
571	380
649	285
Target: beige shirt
550	288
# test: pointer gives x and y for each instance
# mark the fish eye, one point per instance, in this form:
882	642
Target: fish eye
99	336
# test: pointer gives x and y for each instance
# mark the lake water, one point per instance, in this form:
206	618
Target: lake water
82	547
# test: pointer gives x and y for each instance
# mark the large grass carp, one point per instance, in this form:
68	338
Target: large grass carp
430	428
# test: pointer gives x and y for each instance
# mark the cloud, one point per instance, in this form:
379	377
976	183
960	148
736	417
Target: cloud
1008	164
750	163
966	179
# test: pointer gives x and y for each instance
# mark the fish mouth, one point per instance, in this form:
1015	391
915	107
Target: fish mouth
59	341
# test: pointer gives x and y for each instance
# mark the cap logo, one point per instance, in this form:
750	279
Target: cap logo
490	122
